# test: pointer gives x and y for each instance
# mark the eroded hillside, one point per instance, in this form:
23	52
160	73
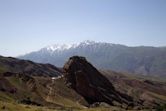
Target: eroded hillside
80	86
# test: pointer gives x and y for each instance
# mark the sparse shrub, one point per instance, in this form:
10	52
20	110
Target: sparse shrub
28	101
27	107
3	107
161	108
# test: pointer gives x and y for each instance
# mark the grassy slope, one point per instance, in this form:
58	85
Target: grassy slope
8	106
61	95
37	90
11	106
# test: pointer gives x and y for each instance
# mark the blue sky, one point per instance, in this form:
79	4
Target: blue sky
28	25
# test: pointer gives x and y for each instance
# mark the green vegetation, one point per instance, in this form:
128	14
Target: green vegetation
2	69
7	106
5	97
158	96
161	108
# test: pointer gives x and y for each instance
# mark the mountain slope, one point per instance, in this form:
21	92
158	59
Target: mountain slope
25	89
31	92
9	64
138	60
149	92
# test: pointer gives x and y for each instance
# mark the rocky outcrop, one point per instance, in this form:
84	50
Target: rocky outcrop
86	80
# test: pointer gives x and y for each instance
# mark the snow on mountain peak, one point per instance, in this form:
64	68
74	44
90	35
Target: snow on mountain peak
62	47
58	47
87	42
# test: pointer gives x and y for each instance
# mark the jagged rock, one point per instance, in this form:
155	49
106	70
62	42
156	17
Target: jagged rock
91	84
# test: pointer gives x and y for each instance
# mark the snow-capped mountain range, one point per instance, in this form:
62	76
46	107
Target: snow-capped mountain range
62	47
139	60
57	47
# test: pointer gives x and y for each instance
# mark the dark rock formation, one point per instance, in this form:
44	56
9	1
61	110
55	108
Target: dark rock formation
9	65
91	84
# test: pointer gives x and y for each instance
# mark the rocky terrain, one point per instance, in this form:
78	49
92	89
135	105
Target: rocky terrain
80	86
151	92
10	64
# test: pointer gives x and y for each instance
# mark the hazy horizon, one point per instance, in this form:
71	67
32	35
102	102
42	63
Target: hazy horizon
27	26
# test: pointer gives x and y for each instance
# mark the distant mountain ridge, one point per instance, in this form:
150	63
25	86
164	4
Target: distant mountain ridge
145	60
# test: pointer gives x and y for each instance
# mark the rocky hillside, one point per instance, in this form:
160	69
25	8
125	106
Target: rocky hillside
37	91
9	64
81	88
111	87
151	92
136	60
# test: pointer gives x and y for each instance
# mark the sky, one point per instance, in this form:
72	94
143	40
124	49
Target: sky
28	25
